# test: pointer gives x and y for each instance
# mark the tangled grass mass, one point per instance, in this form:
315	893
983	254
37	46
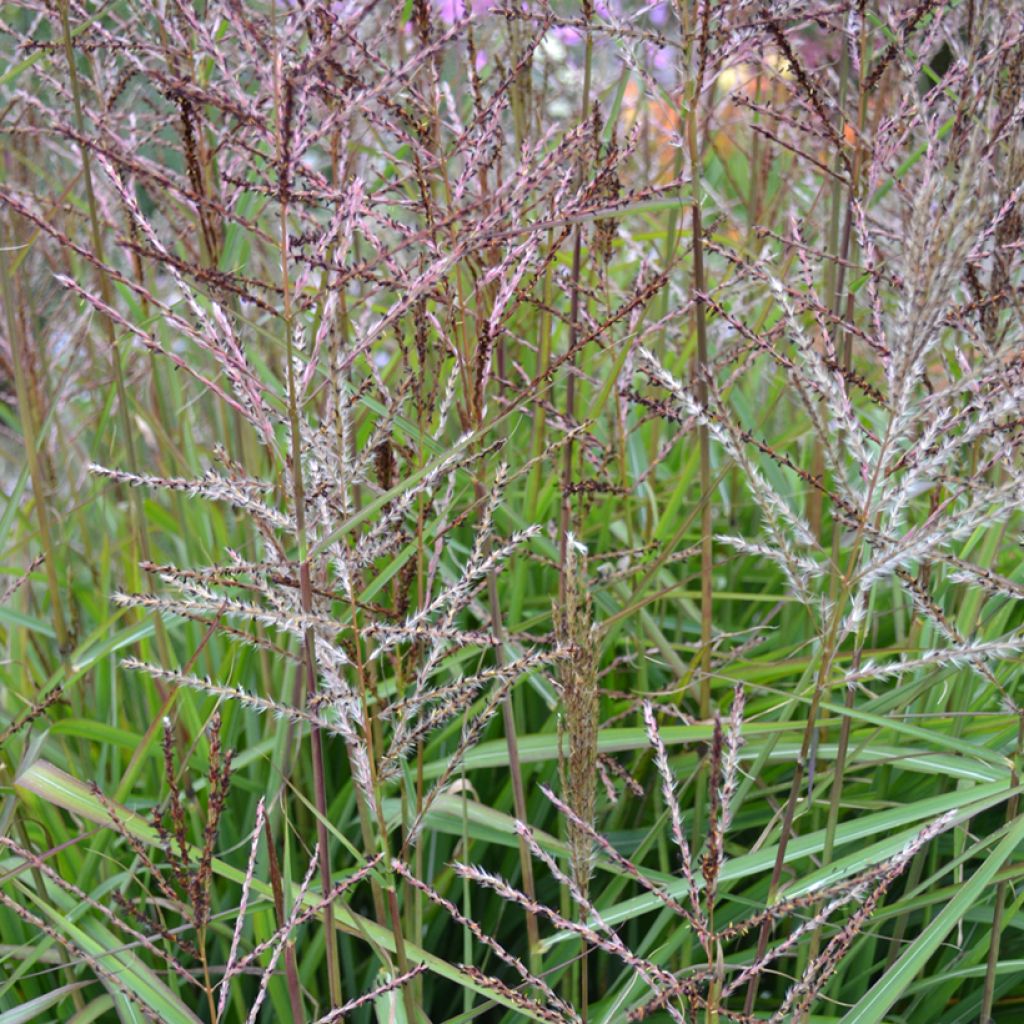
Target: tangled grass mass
512	511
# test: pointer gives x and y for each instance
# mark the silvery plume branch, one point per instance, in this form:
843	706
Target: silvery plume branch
334	658
798	569
545	167
1000	460
731	759
954	656
654	976
856	612
605	938
218	336
949	432
822	379
236	935
485	939
780	518
391	985
872	261
885	540
225	575
450	389
623	863
986	579
337	238
937	248
801	995
441	635
369	546
252	701
338	430
441	527
428	665
435	273
333	470
328	449
347	717
820	916
530	1007
462	591
1007	206
199	611
241	494
502	675
841	892
962	410
516	264
286	603
930	610
501	680
671	800
150	341
278	947
324	337
481	542
575	891
968	496
254	640
457	595
807	396
201	600
446	703
945	524
309	910
778	513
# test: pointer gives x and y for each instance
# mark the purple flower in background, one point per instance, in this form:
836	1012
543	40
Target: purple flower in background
613	10
659	14
567	36
660	57
452	10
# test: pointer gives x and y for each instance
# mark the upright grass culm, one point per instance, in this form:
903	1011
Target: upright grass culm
578	687
569	453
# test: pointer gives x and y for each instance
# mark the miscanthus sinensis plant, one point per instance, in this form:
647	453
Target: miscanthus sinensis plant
513	511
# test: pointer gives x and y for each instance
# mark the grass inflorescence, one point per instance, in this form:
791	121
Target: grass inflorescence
511	511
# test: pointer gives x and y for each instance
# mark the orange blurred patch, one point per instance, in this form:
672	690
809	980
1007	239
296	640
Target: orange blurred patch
765	84
661	122
661	127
